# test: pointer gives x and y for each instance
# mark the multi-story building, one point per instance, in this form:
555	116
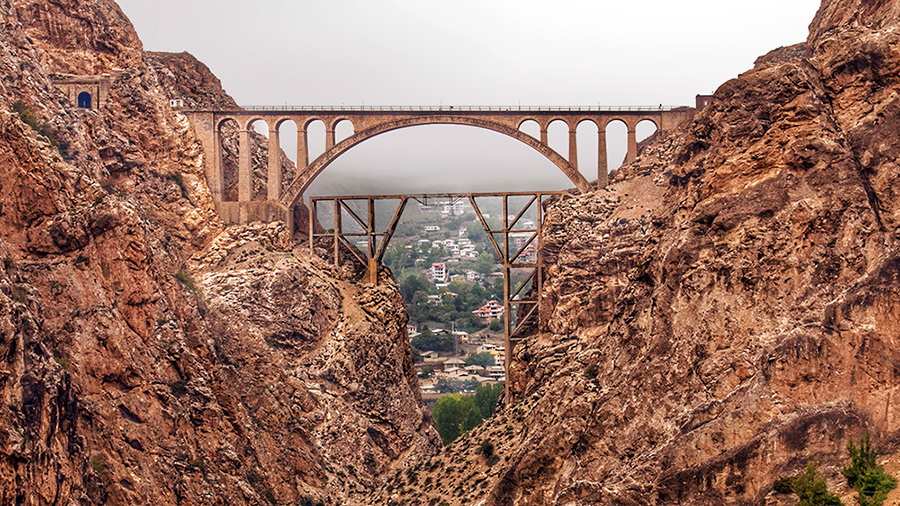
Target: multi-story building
439	272
491	309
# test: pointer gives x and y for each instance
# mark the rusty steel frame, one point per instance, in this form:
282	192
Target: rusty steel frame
513	296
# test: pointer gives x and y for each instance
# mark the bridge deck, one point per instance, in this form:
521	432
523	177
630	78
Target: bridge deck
599	109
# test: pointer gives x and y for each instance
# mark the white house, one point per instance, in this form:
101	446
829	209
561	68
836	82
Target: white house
496	372
456	208
439	272
486	348
454	372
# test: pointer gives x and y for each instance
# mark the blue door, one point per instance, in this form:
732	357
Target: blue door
84	100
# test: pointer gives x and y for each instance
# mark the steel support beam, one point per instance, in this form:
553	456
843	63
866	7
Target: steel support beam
514	295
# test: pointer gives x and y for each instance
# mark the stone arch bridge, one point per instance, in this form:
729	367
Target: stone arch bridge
368	122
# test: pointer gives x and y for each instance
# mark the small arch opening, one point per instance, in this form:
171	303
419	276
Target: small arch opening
531	127
84	100
645	130
315	138
558	137
588	138
229	150
616	143
287	141
343	129
259	159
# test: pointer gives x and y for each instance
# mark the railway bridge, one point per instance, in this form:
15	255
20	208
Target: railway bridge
368	122
522	274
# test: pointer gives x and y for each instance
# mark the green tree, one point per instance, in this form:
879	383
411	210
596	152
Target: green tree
428	341
486	397
412	284
496	325
454	415
480	359
865	476
468	322
484	264
475	232
810	487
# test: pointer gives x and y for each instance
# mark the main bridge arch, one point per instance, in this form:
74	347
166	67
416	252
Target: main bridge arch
294	192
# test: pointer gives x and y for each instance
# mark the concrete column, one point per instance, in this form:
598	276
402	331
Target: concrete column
302	149
289	222
217	181
273	188
544	136
245	183
632	146
206	130
329	139
602	164
573	148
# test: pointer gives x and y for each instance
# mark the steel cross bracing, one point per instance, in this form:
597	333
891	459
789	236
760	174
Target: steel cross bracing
521	297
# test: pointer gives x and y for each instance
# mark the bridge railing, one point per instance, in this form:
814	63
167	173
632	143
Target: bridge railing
455	108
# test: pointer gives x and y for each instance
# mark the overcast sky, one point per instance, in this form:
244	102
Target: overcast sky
469	52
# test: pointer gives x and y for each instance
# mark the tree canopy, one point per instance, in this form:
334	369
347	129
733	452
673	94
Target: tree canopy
454	415
486	398
429	341
480	359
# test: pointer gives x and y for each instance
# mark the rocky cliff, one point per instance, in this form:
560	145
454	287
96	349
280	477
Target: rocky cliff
149	355
730	305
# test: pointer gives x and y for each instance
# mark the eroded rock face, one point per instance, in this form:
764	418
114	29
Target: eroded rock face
149	355
730	305
76	37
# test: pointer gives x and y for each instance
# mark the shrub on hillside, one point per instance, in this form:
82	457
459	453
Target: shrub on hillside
809	486
30	118
865	476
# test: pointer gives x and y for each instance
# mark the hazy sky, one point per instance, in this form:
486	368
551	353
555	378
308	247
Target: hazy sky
469	52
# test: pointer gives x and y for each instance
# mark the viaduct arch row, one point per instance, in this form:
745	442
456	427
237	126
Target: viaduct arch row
368	122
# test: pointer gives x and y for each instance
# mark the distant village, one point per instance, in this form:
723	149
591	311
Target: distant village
455	372
452	282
